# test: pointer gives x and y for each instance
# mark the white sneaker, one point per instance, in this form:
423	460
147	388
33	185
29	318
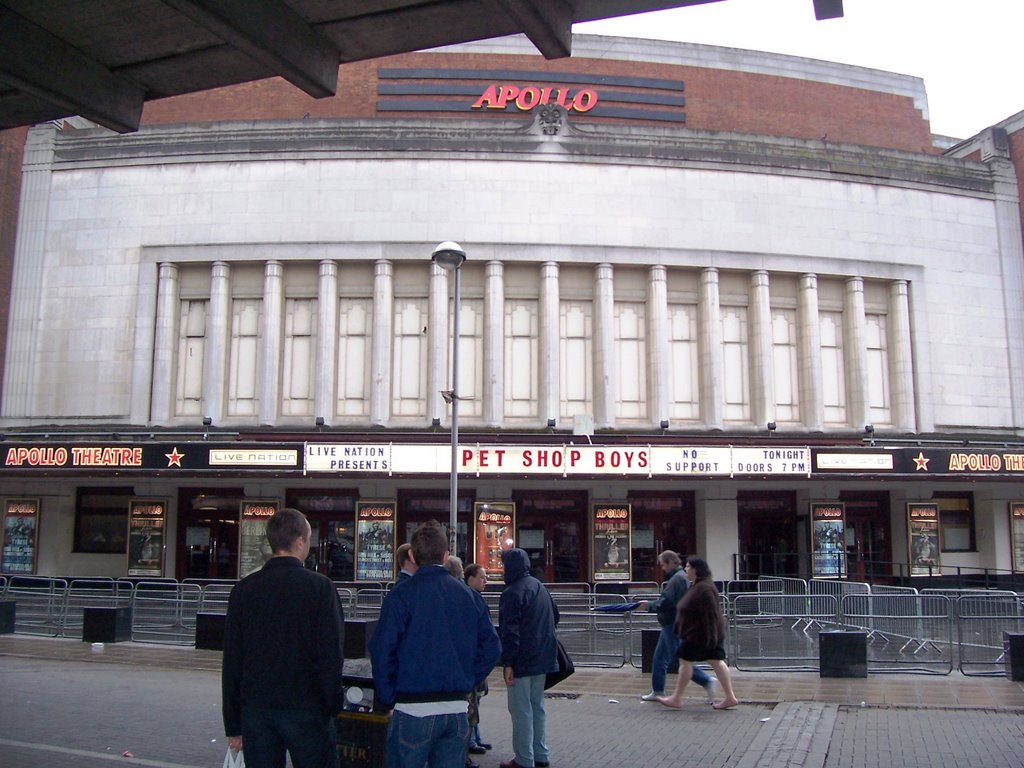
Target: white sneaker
652	696
709	691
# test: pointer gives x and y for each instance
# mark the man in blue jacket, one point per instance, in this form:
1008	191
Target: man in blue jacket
526	624
433	645
672	590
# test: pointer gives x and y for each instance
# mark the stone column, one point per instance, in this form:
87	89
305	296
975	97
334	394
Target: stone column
762	362
438	343
494	344
901	361
812	401
657	330
218	326
605	368
855	353
165	343
709	349
273	334
325	393
27	281
549	336
380	349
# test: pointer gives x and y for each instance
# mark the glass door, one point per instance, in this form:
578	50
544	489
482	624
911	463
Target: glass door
552	531
661	521
208	533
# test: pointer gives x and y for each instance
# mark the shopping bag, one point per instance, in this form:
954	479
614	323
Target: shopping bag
233	759
565	666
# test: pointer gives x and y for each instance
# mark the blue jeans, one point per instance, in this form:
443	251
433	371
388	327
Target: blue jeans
529	722
668	644
309	737
435	741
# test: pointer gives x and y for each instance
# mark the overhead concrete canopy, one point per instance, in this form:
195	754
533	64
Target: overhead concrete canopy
103	59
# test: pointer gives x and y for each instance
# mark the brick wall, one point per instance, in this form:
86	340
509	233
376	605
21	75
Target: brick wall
716	100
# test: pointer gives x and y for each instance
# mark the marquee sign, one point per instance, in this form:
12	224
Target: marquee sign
560	460
147	457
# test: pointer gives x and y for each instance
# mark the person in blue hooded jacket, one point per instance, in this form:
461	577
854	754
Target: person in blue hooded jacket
526	625
433	645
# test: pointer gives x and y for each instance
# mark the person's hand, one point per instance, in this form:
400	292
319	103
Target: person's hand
235	743
509	675
643	605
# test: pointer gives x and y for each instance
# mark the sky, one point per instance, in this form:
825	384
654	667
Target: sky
966	51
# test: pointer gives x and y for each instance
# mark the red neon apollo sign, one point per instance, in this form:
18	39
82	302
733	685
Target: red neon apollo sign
524	98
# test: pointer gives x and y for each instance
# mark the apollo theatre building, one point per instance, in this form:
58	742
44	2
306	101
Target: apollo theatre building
717	301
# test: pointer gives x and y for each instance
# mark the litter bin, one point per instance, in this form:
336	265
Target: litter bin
7	611
648	642
843	654
210	631
107	625
362	730
1013	655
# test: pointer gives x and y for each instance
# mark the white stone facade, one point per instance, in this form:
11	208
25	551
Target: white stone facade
632	288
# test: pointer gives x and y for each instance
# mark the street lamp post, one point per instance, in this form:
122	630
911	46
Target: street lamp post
450	257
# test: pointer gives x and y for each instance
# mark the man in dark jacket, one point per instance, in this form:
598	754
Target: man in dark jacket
433	645
526	625
281	675
672	590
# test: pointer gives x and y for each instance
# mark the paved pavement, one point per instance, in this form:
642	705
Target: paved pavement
63	704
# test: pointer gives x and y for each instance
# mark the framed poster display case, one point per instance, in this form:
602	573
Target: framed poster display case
375	540
253	547
146	523
494	525
21	536
828	539
610	524
923	538
1017	535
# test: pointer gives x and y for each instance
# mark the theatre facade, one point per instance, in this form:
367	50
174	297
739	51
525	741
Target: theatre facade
715	301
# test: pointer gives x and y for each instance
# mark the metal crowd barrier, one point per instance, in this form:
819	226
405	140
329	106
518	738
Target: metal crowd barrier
906	632
778	631
92	592
981	620
40	604
165	613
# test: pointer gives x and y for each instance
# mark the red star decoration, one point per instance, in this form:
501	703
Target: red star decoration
920	462
174	458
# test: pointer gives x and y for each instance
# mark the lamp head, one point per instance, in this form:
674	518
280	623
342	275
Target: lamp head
664	423
448	255
869	429
772	426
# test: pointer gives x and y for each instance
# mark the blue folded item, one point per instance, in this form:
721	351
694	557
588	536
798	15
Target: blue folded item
618	607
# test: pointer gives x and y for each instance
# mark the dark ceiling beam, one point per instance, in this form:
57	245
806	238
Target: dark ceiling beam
547	23
271	33
828	9
38	63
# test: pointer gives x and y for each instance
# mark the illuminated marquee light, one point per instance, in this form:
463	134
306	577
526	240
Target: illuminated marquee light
525	98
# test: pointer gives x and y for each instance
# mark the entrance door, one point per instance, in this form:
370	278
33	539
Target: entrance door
661	521
552	531
868	539
768	540
208	533
417	507
331	515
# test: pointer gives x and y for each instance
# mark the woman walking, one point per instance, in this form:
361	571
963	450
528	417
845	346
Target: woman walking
700	624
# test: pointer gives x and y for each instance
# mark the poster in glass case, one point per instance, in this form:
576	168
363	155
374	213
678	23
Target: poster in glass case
375	540
21	535
146	519
612	546
494	528
1017	535
923	538
828	539
253	547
